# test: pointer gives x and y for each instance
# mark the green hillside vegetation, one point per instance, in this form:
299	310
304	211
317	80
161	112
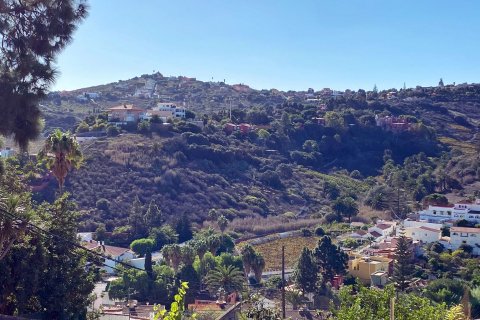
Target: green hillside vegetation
292	168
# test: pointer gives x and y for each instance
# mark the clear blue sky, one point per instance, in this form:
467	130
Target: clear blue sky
276	43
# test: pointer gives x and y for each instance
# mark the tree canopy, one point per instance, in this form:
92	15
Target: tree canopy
32	34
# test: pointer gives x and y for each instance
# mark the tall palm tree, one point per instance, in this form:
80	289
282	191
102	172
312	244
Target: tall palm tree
172	253
188	254
258	265
248	255
62	153
11	229
226	277
201	247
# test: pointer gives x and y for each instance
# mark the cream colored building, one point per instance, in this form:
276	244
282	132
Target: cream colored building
364	267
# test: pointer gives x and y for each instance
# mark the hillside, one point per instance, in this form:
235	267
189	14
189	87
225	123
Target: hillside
295	166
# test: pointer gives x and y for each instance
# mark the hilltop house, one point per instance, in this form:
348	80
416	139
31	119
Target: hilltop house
467	210
165	111
392	124
125	114
116	254
468	236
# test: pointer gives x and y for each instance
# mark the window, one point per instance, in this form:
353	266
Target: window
464	242
473	235
434	212
464	234
449	213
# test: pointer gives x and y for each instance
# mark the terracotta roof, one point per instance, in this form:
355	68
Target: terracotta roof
429	229
383	226
375	234
447	206
465	229
126	107
105	249
465	202
114	251
361	232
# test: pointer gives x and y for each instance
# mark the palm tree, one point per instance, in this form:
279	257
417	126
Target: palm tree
172	253
226	277
248	255
188	254
62	153
222	223
201	247
11	229
258	264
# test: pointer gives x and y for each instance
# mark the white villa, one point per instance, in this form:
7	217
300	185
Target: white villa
422	233
462	210
462	235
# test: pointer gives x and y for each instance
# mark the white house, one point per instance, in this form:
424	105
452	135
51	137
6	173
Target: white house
7	152
409	223
382	229
172	108
463	235
85	236
462	210
115	254
422	233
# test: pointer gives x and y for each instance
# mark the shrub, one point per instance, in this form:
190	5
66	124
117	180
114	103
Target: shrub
306	232
319	231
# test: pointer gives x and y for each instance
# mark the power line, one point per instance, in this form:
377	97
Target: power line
48	234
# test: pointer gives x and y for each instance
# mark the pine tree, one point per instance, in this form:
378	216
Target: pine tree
306	275
32	33
375	89
330	259
136	220
402	270
153	216
184	229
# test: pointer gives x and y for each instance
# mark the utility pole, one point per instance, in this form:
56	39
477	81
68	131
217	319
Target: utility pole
392	308
283	283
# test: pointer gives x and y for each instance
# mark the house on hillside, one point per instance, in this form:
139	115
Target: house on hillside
168	110
469	236
124	114
364	267
422	233
468	210
115	254
382	229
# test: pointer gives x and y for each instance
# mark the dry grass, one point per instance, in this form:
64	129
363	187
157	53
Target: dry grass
465	147
272	251
459	128
273	224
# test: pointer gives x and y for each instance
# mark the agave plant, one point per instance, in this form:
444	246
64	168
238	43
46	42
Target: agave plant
62	153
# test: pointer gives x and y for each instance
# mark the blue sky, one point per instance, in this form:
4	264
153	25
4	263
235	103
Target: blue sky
277	44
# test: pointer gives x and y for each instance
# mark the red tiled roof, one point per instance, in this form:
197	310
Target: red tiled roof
126	107
429	229
361	232
465	229
375	234
383	226
447	206
105	249
465	202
